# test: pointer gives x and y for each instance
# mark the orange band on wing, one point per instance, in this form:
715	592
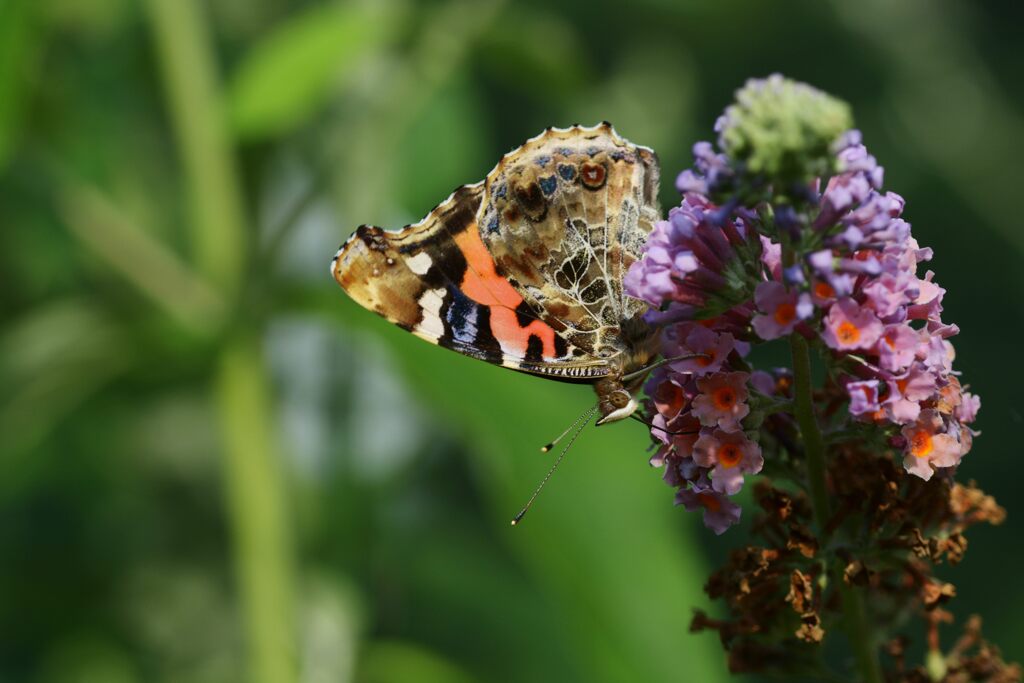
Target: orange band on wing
515	338
482	284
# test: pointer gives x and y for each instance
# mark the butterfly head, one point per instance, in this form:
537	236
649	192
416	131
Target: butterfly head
616	405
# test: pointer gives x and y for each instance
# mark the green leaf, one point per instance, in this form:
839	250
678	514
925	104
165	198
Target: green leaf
604	541
18	50
398	662
553	60
292	72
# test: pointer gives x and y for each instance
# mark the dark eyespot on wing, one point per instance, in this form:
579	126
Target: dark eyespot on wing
593	176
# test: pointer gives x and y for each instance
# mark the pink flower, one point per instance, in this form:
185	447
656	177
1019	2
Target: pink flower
771	257
722	400
849	326
968	408
667	394
888	292
680	432
929	446
897	347
928	303
698	339
863	397
822	293
720	513
780	310
731	455
906	392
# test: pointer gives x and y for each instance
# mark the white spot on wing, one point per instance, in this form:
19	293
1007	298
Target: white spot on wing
419	264
431	302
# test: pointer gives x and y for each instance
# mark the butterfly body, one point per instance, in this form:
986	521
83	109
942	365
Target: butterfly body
525	269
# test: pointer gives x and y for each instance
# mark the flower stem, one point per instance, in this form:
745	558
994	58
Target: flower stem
854	612
255	492
814	445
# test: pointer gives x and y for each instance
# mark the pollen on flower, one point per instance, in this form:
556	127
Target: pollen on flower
921	443
847	333
730	455
721	400
785	313
724	398
824	290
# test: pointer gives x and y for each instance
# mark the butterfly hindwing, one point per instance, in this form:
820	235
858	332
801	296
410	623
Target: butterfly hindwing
564	216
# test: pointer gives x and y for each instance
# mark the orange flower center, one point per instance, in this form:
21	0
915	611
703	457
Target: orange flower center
724	398
890	339
709	501
901	384
847	333
823	290
921	443
785	313
706	359
730	455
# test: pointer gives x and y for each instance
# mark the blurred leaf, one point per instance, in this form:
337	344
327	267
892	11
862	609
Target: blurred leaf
141	259
537	51
18	47
448	139
92	18
398	662
257	508
331	616
606	516
661	73
51	361
367	147
191	79
87	659
291	73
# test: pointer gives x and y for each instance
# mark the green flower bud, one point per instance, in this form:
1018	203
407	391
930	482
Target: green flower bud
783	130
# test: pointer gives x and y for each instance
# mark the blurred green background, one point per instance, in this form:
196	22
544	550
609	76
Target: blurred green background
215	467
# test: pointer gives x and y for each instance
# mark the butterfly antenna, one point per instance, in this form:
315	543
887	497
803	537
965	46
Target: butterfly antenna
558	461
551	444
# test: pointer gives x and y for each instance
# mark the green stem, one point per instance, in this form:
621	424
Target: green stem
254	492
814	445
197	113
854	612
257	510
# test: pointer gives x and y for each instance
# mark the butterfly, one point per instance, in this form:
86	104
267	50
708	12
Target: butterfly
525	269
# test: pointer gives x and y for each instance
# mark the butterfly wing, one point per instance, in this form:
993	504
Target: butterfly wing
437	280
564	216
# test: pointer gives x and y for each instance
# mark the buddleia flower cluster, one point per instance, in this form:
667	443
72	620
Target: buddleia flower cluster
785	236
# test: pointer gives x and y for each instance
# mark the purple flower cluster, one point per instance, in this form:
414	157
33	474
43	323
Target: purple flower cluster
883	321
698	408
717	281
